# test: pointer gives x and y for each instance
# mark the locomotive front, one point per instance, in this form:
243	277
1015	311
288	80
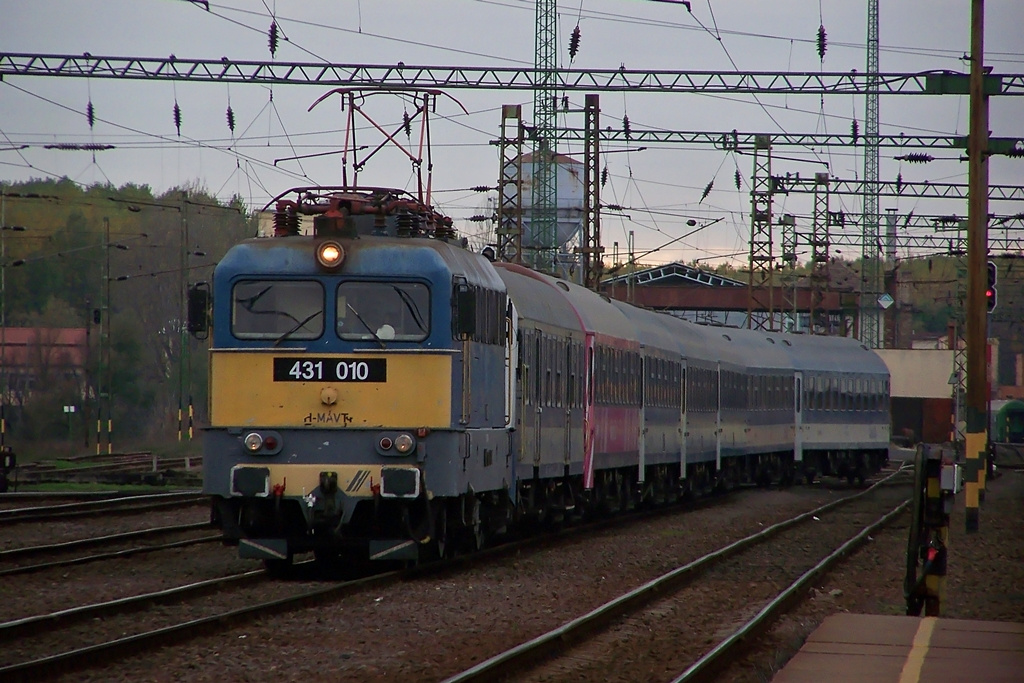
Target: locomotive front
334	361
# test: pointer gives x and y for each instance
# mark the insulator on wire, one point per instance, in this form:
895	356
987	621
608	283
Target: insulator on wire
707	191
915	158
738	178
90	114
231	119
625	126
272	39
407	124
574	42
899	183
177	118
604	176
481	188
822	42
855	131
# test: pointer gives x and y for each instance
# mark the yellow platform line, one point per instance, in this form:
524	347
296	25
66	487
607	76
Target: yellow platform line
915	658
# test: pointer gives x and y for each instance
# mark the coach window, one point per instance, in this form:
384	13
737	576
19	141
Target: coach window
385	311
275	309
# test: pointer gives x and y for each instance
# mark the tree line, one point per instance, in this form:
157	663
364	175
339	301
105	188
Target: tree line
114	261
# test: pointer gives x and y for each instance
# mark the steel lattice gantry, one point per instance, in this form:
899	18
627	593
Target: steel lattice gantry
544	195
592	249
871	284
510	191
732	141
821	244
761	258
399	76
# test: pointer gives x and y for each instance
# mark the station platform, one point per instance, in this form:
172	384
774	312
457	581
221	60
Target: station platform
893	649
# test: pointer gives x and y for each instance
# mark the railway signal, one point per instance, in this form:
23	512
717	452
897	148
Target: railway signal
990	288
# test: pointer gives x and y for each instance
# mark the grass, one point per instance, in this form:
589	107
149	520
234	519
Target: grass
58	450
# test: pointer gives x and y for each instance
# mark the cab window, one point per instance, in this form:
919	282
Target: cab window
387	311
273	309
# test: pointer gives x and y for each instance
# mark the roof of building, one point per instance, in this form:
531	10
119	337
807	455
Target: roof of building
674	274
57	345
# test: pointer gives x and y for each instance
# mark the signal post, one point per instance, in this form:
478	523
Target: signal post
977	255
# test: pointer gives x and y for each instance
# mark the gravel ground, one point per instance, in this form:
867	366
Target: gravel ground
429	628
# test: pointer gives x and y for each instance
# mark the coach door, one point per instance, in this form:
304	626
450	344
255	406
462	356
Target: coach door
641	443
718	416
684	433
798	406
566	380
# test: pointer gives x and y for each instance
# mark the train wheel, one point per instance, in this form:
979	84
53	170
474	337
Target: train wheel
442	545
279	569
473	536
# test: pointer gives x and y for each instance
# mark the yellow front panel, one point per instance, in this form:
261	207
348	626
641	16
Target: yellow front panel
243	393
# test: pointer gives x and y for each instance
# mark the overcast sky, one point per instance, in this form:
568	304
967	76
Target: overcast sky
662	186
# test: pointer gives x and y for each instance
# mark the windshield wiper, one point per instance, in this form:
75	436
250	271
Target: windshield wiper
368	328
248	303
298	326
411	306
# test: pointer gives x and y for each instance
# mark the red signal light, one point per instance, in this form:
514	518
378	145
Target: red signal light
990	289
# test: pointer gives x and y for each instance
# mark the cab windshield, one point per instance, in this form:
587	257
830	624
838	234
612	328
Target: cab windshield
384	311
277	309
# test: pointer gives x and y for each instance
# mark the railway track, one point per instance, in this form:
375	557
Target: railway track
24	556
60	632
653	619
58	629
119	505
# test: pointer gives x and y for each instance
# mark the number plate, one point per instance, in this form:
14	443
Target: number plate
330	369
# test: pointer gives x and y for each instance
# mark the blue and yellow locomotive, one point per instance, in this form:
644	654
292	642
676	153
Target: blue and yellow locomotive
352	401
377	391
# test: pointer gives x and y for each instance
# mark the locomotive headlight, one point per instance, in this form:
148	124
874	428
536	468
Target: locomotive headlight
404	443
330	254
253	442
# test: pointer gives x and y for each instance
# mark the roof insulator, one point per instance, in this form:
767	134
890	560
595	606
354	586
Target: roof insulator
177	118
272	39
574	43
915	158
822	42
707	190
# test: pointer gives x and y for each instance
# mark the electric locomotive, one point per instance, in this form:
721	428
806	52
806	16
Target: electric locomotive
379	392
353	407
